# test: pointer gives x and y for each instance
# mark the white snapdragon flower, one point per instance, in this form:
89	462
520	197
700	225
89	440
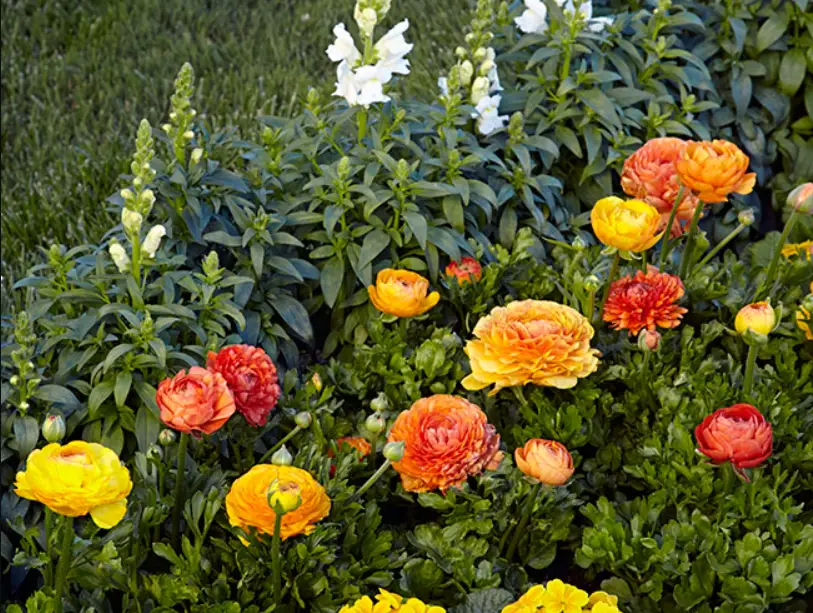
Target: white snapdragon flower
488	118
493	76
346	84
370	82
120	257
597	24
343	48
532	20
466	72
479	89
131	220
443	86
391	49
366	20
153	240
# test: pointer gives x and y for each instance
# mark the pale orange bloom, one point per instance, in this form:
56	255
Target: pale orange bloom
358	443
402	293
548	462
199	401
715	169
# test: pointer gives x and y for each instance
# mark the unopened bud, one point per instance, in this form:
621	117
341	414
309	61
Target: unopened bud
649	341
480	54
380	403
167	128
127	194
155	453
801	198
284	497
466	72
53	428
167	437
479	89
317	381
303	419
579	244
758	317
15	380
173	115
189	135
461	53
375	424
24	406
131	220
148	196
394	451
486	67
197	154
282	457
592	283
746	217
469	37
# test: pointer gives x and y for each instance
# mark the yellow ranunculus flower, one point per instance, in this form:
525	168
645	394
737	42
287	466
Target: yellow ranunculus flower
758	317
77	479
627	225
402	293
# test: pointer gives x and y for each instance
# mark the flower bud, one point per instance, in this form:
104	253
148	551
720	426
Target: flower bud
131	220
283	497
469	37
119	256
167	437
746	217
479	89
375	423
801	198
167	128
155	453
491	54
173	115
461	53
148	196
758	317
53	428
303	419
366	21
127	194
188	135
153	240
466	72
394	451
24	406
317	381
486	67
480	54
15	380
197	154
579	244
282	457
138	181
649	341
380	403
592	283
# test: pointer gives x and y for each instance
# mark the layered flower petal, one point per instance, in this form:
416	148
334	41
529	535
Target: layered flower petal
713	170
627	225
548	462
644	301
196	402
402	293
738	434
467	270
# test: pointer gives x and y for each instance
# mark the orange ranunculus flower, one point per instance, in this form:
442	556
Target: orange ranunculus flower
252	379
402	293
196	402
446	440
738	434
644	301
359	443
545	461
804	249
466	270
77	479
715	169
247	503
530	341
627	225
387	602
649	174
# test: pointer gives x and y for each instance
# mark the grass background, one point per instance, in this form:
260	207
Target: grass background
77	77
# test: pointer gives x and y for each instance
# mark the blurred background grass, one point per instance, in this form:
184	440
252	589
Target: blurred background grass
78	76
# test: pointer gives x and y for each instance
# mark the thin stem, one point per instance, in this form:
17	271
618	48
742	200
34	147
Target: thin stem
644	261
687	252
591	305
748	382
403	324
373	447
732	235
610	279
135	263
275	558
769	278
666	246
530	502
64	562
371	481
49	533
280	443
361	119
179	482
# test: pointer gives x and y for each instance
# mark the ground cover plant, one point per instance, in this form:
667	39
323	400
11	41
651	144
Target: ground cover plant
521	345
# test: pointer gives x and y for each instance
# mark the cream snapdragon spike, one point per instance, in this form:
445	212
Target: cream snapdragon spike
360	80
534	18
485	101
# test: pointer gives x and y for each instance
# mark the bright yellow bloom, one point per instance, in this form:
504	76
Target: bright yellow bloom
401	293
804	316
386	602
605	607
804	250
77	479
560	597
529	602
602	597
758	317
627	225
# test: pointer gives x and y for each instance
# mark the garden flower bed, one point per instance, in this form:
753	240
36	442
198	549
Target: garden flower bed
520	348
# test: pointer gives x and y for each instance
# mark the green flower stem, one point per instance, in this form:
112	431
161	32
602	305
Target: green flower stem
591	306
135	262
49	533
687	252
613	273
179	481
748	382
666	246
275	558
373	478
765	288
64	562
403	324
361	119
530	502
731	236
644	261
373	446
280	443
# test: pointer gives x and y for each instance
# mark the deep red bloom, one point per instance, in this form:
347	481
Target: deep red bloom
738	434
466	270
251	377
644	301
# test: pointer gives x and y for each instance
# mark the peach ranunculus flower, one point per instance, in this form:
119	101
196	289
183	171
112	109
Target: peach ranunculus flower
446	439
387	602
649	174
803	249
713	170
644	301
547	462
801	198
359	443
530	341
627	225
247	503
77	479
199	401
467	270
402	293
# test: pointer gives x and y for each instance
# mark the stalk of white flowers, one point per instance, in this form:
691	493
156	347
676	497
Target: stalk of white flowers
119	255
131	220
153	240
197	154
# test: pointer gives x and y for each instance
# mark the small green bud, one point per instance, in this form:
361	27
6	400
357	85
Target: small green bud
155	453
189	135
480	54
173	115
167	437
746	217
437	388
592	283
466	72
380	403
24	406
197	154
167	128
53	428
470	37
375	423
343	170
303	419
282	457
649	341
579	244
461	53
394	451
15	380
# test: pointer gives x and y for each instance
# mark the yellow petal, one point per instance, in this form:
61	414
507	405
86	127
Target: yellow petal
108	515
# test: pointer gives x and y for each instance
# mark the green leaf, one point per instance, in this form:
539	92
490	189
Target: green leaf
453	210
115	353
147	428
374	243
792	71
220	237
491	600
600	104
508	227
417	224
57	394
772	30
98	395
618	587
284	266
444	241
293	314
122	388
331	280
257	256
26	434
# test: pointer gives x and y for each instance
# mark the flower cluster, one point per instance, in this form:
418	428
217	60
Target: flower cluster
559	597
534	18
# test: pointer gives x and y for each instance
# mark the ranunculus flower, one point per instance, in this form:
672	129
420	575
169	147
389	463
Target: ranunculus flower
644	301
530	341
247	501
801	198
196	402
803	249
447	439
738	434
402	293
649	174
466	270
758	317
251	377
548	462
387	602
627	225
77	479
358	443
715	169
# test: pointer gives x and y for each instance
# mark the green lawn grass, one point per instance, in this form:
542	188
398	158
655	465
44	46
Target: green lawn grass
78	76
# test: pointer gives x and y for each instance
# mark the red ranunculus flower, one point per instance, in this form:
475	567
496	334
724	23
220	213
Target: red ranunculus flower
252	379
644	301
466	270
738	434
